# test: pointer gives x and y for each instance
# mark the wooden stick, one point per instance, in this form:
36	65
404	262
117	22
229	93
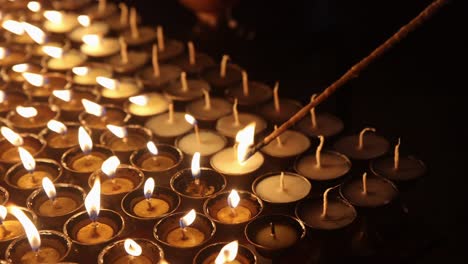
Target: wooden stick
354	71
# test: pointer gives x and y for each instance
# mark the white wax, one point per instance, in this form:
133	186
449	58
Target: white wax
69	22
69	60
293	143
225	162
136	59
210	143
161	126
332	166
226	125
156	104
96	28
124	89
295	188
90	77
219	108
194	90
107	47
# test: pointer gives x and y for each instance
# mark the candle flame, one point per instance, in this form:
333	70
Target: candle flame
187	219
28	226
233	199
20	68
190	119
228	253
152	148
91	39
140	100
93	108
53	16
132	248
52	51
49	188
84	20
27	159
2	96
244	139
84	139
3	52
26	111
14	138
34	32
3	213
93	200
118	131
148	188
107	83
81	71
64	95
13	26
33	78
57	126
196	165
109	166
34	6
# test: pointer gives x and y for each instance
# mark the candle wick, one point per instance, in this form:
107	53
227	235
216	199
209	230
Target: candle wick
33	179
396	157
150	205
197	133
55	203
272	230
156	161
313	117
361	136
364	183
125	139
325	202
318	152
233	212
184	237
95	229
197	181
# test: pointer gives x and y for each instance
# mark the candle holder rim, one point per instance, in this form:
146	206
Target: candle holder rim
252	195
182	171
145	150
105	250
121	166
124	199
53	108
40	191
46	131
372	175
181	214
381	158
116	234
273	173
78	149
19	166
299	206
328	151
218	244
294	219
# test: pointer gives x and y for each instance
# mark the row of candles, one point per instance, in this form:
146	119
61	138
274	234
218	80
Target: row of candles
57	65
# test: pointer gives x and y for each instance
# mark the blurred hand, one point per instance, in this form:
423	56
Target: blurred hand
209	11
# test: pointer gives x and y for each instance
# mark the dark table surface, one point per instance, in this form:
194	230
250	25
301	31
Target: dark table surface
415	91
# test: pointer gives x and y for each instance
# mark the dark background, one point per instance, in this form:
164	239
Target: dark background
416	91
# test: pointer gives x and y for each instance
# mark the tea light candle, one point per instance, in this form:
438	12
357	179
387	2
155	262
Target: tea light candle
88	27
33	117
63	60
398	168
279	111
364	146
324	124
249	94
369	192
291	143
15	72
230	125
147	104
277	236
97	46
41	86
158	76
196	62
59	22
101	10
327	213
324	165
186	90
9	145
225	253
223	76
138	36
157	162
123	140
168	48
120	89
69	101
209	109
127	62
9	228
32	178
150	207
186	236
9	100
97	117
87	74
281	187
114	179
169	125
16	31
138	251
119	22
62	137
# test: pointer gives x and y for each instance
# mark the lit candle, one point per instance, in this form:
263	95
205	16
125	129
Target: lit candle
97	46
9	151
63	137
32	179
97	117
59	22
148	104
9	228
228	254
186	236
61	60
88	27
120	89
32	118
234	213
38	254
87	74
134	254
281	187
9	100
95	232
114	185
41	86
156	162
150	207
56	205
15	72
125	139
90	160
364	146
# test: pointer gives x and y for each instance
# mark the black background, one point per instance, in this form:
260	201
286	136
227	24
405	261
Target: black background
416	91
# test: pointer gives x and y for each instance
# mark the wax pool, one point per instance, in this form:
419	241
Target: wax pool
158	162
66	140
13	229
117	185
193	237
226	162
293	143
94	233
229	215
210	143
150	208
43	255
285	236
60	206
32	180
88	162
